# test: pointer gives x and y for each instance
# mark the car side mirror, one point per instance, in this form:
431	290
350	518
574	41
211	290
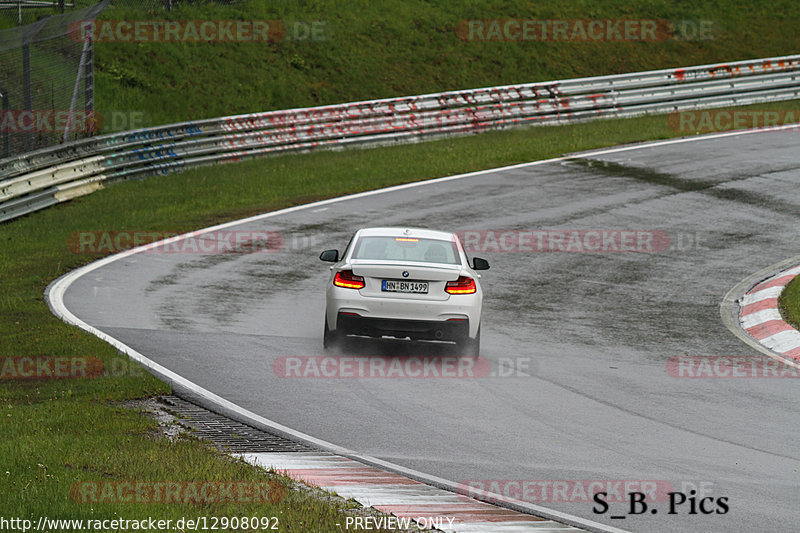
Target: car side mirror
480	264
330	256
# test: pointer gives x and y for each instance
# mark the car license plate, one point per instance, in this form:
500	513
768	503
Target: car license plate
417	287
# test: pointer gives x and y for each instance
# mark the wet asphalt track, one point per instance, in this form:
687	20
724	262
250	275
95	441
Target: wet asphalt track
591	400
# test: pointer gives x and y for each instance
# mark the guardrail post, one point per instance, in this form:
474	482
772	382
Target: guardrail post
6	133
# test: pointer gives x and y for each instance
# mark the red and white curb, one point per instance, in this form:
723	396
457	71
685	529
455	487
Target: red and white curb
760	318
427	506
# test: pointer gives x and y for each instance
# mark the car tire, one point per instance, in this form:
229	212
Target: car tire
471	347
329	338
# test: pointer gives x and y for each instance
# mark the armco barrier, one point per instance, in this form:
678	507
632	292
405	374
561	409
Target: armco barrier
36	180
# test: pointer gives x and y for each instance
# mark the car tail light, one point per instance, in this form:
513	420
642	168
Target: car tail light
463	285
348	280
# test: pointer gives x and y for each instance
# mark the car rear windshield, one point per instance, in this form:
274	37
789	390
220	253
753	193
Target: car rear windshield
407	249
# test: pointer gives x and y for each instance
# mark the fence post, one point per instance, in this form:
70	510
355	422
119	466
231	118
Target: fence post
83	68
27	91
88	79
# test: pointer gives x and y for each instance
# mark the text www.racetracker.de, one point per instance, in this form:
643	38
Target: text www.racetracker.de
199	523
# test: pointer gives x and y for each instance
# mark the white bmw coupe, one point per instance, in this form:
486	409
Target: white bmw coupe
404	282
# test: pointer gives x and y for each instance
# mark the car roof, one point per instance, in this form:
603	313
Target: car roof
406	232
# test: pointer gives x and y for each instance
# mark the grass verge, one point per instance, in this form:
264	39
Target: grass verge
61	431
789	303
337	51
333	51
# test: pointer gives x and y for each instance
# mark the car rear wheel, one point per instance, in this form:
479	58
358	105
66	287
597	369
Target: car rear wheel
329	338
471	347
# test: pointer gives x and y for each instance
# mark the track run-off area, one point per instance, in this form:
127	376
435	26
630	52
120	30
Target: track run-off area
601	318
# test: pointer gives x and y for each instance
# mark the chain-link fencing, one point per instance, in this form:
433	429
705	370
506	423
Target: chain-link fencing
46	82
20	12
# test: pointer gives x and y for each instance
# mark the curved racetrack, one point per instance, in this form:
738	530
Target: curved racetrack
592	399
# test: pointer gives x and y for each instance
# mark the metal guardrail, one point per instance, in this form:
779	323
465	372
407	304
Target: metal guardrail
36	180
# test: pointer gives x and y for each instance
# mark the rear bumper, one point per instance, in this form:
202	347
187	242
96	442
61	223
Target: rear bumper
404	315
446	330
